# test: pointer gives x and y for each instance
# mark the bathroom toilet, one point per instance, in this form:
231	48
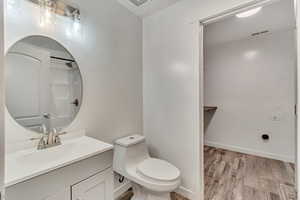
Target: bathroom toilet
152	179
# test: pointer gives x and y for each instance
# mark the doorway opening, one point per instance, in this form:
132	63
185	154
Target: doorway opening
250	92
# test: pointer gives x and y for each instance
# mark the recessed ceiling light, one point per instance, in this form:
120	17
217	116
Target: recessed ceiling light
248	13
138	2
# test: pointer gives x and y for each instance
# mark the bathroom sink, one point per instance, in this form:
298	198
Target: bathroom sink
23	165
46	156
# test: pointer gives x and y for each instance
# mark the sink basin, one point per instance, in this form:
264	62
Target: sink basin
23	165
43	157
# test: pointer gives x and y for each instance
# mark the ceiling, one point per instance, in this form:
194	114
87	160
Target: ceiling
274	17
148	8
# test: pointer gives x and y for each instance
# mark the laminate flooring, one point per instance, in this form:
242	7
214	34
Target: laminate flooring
236	176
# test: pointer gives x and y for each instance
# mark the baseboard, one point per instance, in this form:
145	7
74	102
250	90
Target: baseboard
250	151
121	189
181	190
185	193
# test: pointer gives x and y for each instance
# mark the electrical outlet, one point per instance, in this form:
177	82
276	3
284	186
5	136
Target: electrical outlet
275	118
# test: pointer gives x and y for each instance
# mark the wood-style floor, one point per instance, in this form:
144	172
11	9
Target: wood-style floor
235	176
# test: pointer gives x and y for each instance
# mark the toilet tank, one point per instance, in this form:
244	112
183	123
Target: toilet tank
129	150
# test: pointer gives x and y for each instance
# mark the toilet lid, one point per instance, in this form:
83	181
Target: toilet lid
158	169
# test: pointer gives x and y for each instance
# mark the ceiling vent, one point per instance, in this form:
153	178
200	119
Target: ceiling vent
138	2
259	33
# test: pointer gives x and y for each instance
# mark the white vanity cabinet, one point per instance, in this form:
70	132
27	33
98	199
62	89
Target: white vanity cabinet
88	179
63	195
97	187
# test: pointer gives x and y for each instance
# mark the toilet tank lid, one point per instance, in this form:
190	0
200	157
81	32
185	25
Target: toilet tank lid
130	140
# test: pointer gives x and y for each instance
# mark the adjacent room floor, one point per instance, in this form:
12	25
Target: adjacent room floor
236	176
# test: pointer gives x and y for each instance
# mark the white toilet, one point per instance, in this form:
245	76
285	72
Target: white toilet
152	179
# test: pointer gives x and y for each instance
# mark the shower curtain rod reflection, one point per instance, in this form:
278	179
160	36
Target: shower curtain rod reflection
65	59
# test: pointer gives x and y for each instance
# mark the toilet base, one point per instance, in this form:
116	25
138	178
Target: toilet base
140	193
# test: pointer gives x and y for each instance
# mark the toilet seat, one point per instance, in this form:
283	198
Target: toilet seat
151	179
158	170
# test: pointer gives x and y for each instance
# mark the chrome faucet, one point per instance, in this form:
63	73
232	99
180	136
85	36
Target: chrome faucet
49	139
44	129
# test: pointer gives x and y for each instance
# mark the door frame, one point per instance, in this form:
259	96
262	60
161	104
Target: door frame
2	102
229	12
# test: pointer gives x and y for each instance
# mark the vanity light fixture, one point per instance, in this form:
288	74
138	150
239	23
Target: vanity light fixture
76	18
248	13
58	7
47	10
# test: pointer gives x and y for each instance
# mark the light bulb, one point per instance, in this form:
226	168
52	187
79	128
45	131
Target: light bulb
76	26
48	13
248	13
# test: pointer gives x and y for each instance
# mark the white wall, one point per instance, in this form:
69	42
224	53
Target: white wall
252	81
172	111
297	10
2	135
108	49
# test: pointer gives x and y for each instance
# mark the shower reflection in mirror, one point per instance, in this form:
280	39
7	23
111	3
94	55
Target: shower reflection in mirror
43	84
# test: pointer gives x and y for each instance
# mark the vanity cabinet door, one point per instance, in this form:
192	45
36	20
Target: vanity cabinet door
63	195
97	187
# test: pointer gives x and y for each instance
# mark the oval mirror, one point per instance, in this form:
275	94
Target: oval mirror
43	84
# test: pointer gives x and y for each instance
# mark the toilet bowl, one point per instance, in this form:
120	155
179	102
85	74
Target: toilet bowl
151	178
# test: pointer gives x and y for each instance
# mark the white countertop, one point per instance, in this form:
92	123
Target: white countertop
24	165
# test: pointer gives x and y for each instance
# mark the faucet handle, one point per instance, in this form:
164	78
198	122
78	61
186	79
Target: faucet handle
62	133
54	131
35	138
42	143
57	139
